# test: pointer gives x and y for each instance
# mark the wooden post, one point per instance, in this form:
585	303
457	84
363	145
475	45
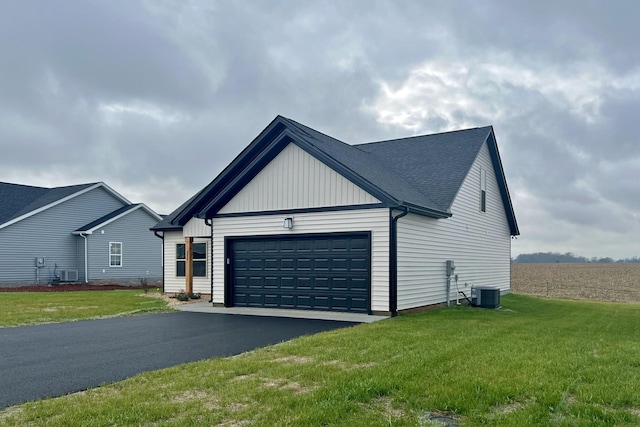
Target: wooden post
188	268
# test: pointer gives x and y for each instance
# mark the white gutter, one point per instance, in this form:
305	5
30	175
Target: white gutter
86	270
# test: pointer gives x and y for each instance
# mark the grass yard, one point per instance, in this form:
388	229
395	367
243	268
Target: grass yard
534	362
30	308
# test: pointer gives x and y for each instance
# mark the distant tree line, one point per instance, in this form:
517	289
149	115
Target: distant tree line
553	257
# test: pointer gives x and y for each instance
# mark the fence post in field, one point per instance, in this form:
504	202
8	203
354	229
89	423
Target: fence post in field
547	289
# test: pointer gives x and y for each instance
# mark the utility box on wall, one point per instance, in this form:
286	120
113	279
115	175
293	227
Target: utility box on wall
485	297
40	262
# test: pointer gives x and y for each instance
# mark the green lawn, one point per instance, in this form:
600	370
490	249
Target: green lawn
535	362
30	308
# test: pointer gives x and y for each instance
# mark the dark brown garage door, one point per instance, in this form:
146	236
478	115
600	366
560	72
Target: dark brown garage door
309	272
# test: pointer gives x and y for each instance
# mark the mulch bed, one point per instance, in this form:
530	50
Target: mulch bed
69	287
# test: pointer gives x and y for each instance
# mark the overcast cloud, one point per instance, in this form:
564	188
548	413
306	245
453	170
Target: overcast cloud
155	98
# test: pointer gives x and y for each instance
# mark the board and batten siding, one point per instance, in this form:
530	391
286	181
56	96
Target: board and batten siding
196	227
478	242
173	283
374	220
48	234
295	179
141	250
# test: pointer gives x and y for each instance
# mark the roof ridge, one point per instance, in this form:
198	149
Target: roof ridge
23	185
421	136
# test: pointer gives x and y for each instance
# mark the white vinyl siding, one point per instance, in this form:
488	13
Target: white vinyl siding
296	180
375	221
478	243
172	282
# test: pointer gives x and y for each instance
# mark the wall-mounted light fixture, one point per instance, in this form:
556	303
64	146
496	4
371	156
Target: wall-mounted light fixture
288	223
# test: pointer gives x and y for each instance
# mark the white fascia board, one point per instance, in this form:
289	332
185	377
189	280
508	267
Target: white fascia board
57	202
150	211
115	193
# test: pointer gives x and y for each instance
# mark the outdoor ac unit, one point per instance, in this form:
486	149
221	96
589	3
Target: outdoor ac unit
485	297
68	275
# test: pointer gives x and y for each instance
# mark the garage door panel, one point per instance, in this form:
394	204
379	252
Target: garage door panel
360	264
305	245
305	283
318	272
287	301
321	264
287	264
287	283
304	264
360	244
271	246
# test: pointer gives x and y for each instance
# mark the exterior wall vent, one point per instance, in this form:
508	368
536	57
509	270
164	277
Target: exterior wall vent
485	297
68	275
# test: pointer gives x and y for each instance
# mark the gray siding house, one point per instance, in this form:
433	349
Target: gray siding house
301	220
86	232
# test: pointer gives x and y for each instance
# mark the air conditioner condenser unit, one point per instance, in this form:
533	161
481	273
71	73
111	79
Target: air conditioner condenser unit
68	275
485	296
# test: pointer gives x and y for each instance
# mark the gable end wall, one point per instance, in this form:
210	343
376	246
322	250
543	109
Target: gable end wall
296	180
141	250
478	242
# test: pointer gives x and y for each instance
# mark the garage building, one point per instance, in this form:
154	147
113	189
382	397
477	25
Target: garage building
301	220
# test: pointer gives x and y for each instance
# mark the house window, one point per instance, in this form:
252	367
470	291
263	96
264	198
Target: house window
483	190
115	254
199	260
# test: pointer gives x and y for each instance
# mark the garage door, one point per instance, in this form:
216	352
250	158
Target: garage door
309	272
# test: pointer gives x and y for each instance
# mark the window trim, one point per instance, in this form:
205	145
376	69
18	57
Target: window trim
483	190
120	255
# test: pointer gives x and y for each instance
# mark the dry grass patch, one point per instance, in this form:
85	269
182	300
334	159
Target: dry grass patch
294	359
616	282
349	366
384	405
634	411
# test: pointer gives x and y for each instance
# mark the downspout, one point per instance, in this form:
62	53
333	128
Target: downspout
86	268
209	222
161	236
393	259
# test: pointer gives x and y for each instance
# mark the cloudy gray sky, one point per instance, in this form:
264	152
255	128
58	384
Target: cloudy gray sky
155	98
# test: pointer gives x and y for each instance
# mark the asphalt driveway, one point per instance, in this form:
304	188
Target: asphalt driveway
51	360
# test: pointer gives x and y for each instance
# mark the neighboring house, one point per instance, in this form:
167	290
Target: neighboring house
84	232
301	220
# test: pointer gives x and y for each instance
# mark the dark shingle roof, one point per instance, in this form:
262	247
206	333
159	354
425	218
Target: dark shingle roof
422	173
17	200
436	165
